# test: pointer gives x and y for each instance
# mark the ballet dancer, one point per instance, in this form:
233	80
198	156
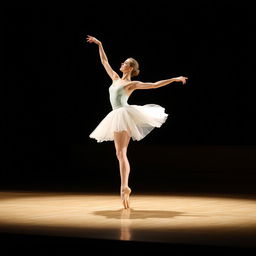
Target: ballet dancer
127	121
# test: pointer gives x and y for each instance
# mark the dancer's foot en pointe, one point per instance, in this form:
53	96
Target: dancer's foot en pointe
125	196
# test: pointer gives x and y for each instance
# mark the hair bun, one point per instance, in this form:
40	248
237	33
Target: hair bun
134	63
137	72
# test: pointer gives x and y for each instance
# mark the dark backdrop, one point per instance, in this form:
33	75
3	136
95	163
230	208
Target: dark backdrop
56	93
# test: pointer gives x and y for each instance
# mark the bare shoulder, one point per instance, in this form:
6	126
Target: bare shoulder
115	76
132	85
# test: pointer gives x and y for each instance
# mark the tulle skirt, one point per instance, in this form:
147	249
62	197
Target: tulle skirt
137	120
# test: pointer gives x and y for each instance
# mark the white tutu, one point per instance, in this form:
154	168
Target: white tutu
137	120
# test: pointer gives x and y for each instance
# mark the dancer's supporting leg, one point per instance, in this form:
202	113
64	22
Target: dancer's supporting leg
121	140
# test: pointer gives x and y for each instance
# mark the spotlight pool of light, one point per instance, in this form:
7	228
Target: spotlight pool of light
174	218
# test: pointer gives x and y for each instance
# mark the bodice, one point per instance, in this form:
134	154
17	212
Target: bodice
117	95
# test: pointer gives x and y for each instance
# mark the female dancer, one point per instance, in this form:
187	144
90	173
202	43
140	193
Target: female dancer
126	121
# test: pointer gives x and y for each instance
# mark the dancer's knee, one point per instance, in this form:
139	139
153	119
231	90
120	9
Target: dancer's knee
121	154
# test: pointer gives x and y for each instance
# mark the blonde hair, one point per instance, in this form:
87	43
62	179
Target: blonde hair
134	63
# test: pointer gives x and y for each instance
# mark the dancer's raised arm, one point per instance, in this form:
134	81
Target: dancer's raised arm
103	57
141	85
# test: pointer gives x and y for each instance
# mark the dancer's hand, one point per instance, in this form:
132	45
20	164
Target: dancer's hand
91	39
182	79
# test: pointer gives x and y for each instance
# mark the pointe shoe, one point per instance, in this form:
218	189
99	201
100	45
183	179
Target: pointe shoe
125	196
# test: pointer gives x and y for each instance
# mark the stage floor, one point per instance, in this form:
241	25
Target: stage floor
174	218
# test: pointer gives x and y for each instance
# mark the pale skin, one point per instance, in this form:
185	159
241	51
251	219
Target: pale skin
122	139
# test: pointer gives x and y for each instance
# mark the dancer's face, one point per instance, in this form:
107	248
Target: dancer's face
125	66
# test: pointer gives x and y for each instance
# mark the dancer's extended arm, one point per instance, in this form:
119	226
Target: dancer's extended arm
142	85
103	57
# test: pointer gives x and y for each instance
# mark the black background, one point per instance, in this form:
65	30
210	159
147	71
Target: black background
56	93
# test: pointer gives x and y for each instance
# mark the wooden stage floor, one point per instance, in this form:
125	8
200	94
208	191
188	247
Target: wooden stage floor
175	218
